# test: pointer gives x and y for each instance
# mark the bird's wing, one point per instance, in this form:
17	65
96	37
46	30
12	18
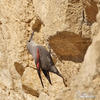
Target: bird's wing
46	73
38	64
45	57
39	74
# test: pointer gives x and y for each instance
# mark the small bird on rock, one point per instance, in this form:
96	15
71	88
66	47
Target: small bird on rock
43	60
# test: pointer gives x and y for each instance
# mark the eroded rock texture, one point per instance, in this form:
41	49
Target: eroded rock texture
69	29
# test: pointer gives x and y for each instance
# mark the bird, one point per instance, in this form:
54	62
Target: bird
43	60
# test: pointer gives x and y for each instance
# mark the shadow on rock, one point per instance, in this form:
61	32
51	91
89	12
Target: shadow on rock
31	91
19	68
69	46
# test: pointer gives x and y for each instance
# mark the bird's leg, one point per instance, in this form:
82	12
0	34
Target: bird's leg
31	67
62	78
64	82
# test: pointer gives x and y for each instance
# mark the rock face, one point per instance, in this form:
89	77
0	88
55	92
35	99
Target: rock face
74	42
77	57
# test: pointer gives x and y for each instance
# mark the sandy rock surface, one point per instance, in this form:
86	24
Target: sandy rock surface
69	29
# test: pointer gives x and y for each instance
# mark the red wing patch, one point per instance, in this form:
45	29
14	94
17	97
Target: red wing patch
37	65
38	58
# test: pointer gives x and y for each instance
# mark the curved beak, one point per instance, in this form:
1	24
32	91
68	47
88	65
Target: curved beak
31	37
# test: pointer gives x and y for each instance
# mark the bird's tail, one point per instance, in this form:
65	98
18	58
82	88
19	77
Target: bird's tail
54	70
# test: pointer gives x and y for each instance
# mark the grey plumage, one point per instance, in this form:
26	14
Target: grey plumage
43	60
